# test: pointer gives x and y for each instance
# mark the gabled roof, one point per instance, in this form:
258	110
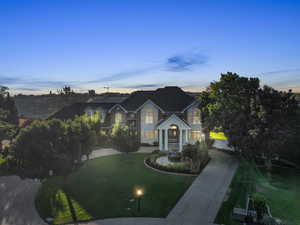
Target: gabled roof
173	119
136	99
117	106
169	99
77	109
151	102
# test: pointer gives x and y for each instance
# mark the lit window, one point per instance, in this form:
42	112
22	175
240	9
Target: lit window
118	117
196	116
149	134
196	135
149	119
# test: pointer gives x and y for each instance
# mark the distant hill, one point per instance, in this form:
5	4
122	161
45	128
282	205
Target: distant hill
42	106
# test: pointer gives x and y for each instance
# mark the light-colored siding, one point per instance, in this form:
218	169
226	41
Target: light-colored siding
147	129
196	128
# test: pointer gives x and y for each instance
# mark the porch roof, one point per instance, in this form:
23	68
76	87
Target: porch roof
173	120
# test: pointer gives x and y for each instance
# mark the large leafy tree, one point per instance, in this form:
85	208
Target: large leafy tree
8	115
254	119
226	106
271	119
53	147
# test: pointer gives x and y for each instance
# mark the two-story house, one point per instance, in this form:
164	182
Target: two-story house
167	116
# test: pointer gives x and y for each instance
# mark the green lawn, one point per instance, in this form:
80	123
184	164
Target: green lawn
3	170
103	188
281	188
237	198
282	191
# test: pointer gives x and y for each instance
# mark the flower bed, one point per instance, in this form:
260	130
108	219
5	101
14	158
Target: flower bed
151	162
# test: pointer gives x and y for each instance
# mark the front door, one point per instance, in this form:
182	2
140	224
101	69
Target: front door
173	134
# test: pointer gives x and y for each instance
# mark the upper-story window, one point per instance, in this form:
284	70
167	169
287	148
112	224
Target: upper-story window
196	116
118	117
149	116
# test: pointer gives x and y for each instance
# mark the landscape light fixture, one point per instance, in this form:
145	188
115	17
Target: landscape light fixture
139	192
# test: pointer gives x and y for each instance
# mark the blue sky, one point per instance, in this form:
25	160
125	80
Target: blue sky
130	45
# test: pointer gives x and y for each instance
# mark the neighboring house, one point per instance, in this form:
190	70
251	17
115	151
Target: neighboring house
167	116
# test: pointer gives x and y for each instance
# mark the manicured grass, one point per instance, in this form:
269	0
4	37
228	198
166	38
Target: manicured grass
103	188
3	169
281	189
237	198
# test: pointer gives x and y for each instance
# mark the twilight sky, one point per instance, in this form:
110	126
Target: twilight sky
129	45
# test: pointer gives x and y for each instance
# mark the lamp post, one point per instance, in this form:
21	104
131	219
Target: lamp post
139	192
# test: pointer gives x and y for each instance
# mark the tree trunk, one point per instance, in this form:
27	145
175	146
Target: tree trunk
268	164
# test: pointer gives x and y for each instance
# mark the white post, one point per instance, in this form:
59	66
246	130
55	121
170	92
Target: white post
166	139
180	140
186	136
160	140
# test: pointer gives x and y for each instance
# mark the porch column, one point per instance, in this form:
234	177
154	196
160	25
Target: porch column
160	140
186	136
166	139
180	140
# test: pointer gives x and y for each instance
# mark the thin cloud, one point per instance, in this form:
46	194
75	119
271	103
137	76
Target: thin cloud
287	82
175	63
5	80
124	75
178	63
281	71
143	86
26	89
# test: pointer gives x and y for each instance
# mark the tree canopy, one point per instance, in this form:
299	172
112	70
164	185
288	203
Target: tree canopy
8	115
254	119
52	145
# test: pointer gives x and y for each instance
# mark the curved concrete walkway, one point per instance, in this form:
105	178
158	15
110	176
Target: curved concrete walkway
17	201
198	206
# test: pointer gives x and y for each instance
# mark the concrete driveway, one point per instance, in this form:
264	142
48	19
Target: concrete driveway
201	203
17	201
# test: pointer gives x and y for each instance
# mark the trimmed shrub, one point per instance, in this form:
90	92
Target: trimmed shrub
104	139
196	153
259	202
124	138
